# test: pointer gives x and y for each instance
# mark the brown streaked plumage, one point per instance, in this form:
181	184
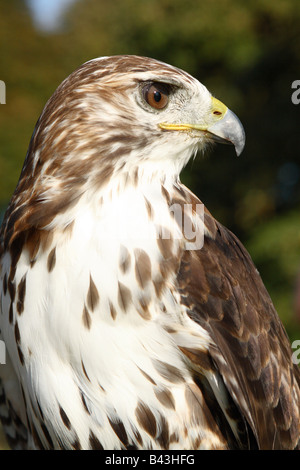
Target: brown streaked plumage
86	318
51	260
146	419
253	353
92	296
125	259
142	268
122	329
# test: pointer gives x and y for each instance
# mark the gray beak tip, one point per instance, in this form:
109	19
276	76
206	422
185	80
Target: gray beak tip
239	146
229	130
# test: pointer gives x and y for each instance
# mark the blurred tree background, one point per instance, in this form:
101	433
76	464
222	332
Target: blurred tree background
246	53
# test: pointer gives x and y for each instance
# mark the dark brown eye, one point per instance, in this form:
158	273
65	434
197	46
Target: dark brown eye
156	95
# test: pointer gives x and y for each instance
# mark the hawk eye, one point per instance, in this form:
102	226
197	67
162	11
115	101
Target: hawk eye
156	95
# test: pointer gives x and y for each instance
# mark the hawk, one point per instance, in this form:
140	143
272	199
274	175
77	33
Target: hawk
124	330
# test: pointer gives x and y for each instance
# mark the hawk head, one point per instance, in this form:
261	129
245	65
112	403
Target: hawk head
129	111
119	115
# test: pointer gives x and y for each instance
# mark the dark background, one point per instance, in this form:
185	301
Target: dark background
248	56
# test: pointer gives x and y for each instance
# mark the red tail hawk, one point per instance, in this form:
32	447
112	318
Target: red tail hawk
121	330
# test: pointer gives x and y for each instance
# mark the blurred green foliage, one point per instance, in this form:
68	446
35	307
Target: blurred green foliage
246	53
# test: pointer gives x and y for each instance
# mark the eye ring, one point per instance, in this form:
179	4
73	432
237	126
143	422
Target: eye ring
156	95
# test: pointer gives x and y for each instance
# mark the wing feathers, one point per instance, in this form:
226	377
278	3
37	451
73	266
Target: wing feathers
224	293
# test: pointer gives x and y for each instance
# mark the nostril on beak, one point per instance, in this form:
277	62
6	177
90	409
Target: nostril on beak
218	109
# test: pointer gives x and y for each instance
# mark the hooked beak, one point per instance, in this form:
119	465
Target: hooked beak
222	126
